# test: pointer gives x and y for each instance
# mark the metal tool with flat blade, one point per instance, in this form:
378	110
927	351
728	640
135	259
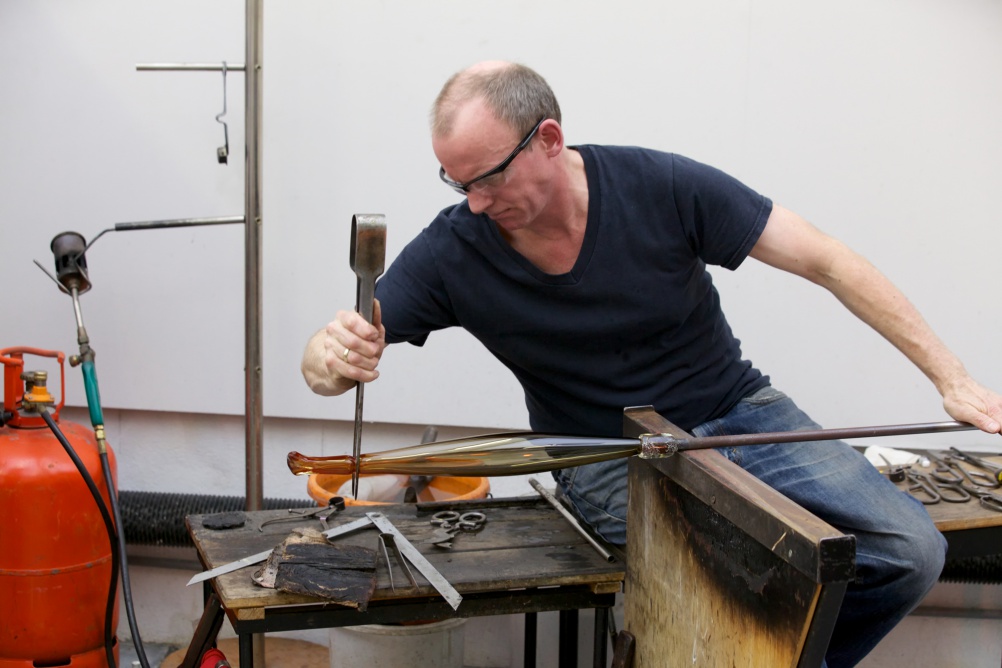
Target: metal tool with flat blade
368	259
261	556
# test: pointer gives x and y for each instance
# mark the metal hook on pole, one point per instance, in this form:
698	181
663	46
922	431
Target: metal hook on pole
223	152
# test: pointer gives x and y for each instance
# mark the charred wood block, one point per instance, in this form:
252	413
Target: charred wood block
344	574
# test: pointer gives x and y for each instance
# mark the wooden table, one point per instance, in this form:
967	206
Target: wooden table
527	559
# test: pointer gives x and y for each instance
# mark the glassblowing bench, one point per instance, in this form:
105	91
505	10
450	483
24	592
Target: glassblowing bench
527	559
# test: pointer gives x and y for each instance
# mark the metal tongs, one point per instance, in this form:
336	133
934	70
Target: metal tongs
994	469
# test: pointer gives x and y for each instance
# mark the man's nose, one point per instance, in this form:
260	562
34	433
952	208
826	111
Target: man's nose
478	200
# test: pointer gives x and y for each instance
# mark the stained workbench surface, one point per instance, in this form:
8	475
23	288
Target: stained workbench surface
524	544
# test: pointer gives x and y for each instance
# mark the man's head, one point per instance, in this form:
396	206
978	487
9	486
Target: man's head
496	132
514	94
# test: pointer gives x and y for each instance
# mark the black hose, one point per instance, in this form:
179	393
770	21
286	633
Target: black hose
109	613
130	610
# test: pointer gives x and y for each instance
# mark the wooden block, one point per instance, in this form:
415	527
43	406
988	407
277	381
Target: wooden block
699	592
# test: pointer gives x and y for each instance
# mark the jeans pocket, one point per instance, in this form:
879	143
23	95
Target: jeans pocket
765	396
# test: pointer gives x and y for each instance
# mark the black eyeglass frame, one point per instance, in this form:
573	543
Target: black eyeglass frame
464	188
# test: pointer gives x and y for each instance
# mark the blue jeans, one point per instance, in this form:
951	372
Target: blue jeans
899	552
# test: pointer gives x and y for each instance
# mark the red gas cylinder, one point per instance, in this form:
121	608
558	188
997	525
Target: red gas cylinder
55	554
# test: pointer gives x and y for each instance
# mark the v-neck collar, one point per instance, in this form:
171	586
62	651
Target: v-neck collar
587	244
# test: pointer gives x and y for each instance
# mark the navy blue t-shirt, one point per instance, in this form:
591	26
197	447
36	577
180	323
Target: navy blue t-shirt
636	322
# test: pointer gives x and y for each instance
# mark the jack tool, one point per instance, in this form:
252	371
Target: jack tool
424	567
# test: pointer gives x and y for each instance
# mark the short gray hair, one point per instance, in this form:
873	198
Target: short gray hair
516	95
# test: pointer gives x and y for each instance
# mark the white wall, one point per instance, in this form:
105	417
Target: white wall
878	121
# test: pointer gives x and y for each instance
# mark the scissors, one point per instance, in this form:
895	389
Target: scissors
949	471
451	522
994	470
929	492
984	497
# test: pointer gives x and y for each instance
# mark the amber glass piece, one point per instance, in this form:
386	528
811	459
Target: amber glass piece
511	453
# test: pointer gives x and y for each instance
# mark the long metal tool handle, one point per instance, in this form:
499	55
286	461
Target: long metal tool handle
734	440
367	258
545	493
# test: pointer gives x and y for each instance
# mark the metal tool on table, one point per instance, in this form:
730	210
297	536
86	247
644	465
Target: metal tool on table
929	492
450	522
948	471
388	542
894	472
261	556
335	504
987	499
545	493
945	472
977	478
368	259
435	579
921	489
984	464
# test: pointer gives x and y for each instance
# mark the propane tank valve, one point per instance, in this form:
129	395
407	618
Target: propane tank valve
36	394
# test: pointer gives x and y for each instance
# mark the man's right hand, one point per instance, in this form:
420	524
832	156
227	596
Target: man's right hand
344	352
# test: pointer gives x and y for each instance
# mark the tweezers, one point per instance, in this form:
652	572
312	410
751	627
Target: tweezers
389	544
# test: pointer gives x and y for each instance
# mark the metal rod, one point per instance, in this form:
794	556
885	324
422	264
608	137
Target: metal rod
254	402
707	442
190	67
545	493
178	222
252	256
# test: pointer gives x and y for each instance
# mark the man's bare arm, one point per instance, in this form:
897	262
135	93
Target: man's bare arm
790	243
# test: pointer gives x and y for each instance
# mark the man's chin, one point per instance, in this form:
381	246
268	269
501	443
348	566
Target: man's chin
507	219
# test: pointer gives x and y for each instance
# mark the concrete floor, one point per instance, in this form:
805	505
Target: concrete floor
155	653
279	653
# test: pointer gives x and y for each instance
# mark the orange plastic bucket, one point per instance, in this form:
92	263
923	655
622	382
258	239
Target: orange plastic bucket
321	487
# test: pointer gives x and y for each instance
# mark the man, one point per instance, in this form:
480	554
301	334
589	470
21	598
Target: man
583	270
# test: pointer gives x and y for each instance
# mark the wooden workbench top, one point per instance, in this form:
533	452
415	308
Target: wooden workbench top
524	544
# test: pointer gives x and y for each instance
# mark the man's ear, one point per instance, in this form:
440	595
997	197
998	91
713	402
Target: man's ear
552	136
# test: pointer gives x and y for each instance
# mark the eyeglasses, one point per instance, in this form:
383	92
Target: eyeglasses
464	188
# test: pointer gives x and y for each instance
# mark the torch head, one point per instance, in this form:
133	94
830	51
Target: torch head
71	264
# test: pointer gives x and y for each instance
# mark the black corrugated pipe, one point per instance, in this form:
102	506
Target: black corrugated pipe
157	518
973	570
